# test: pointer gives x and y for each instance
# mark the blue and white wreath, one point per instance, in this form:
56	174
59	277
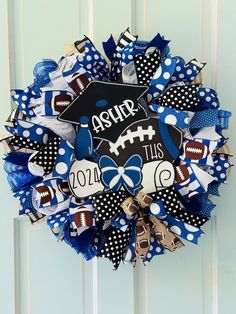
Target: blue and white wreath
119	154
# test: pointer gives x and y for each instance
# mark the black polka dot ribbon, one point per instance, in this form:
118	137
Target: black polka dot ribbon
107	205
22	142
116	244
169	198
146	66
180	98
46	157
173	206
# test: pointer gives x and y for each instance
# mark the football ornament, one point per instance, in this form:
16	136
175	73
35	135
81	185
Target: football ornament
121	159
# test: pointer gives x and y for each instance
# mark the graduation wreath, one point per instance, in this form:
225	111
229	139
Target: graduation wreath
119	154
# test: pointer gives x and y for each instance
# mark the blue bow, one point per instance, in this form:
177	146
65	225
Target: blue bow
129	175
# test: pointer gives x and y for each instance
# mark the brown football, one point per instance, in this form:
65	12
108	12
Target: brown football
196	150
79	82
64	188
83	218
60	102
46	193
182	175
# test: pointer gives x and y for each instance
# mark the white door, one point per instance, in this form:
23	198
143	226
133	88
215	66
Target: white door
42	276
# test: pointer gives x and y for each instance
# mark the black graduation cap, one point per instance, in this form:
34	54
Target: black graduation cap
109	108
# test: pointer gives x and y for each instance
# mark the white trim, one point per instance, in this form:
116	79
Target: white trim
91	19
214	264
95	286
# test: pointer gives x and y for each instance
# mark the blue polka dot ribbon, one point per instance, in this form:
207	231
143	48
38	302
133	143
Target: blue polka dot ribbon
161	78
157	209
160	221
171	116
57	222
205	118
63	160
33	131
208	98
186	72
178	227
121	58
220	168
23	100
94	63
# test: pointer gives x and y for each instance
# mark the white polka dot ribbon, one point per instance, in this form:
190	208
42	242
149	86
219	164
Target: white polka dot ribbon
178	227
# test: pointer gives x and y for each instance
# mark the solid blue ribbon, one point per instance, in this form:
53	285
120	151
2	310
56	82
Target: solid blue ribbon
109	47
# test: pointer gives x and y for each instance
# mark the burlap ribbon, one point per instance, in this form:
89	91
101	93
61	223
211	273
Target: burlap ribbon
147	224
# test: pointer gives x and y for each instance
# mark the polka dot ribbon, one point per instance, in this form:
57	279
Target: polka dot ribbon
91	60
161	78
145	223
142	215
186	72
172	201
180	98
55	158
170	116
115	245
146	66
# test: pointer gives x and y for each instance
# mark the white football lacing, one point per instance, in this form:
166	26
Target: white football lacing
80	84
140	133
83	219
180	173
194	150
44	194
63	103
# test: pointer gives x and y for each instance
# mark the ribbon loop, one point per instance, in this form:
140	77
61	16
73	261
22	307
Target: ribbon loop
164	235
